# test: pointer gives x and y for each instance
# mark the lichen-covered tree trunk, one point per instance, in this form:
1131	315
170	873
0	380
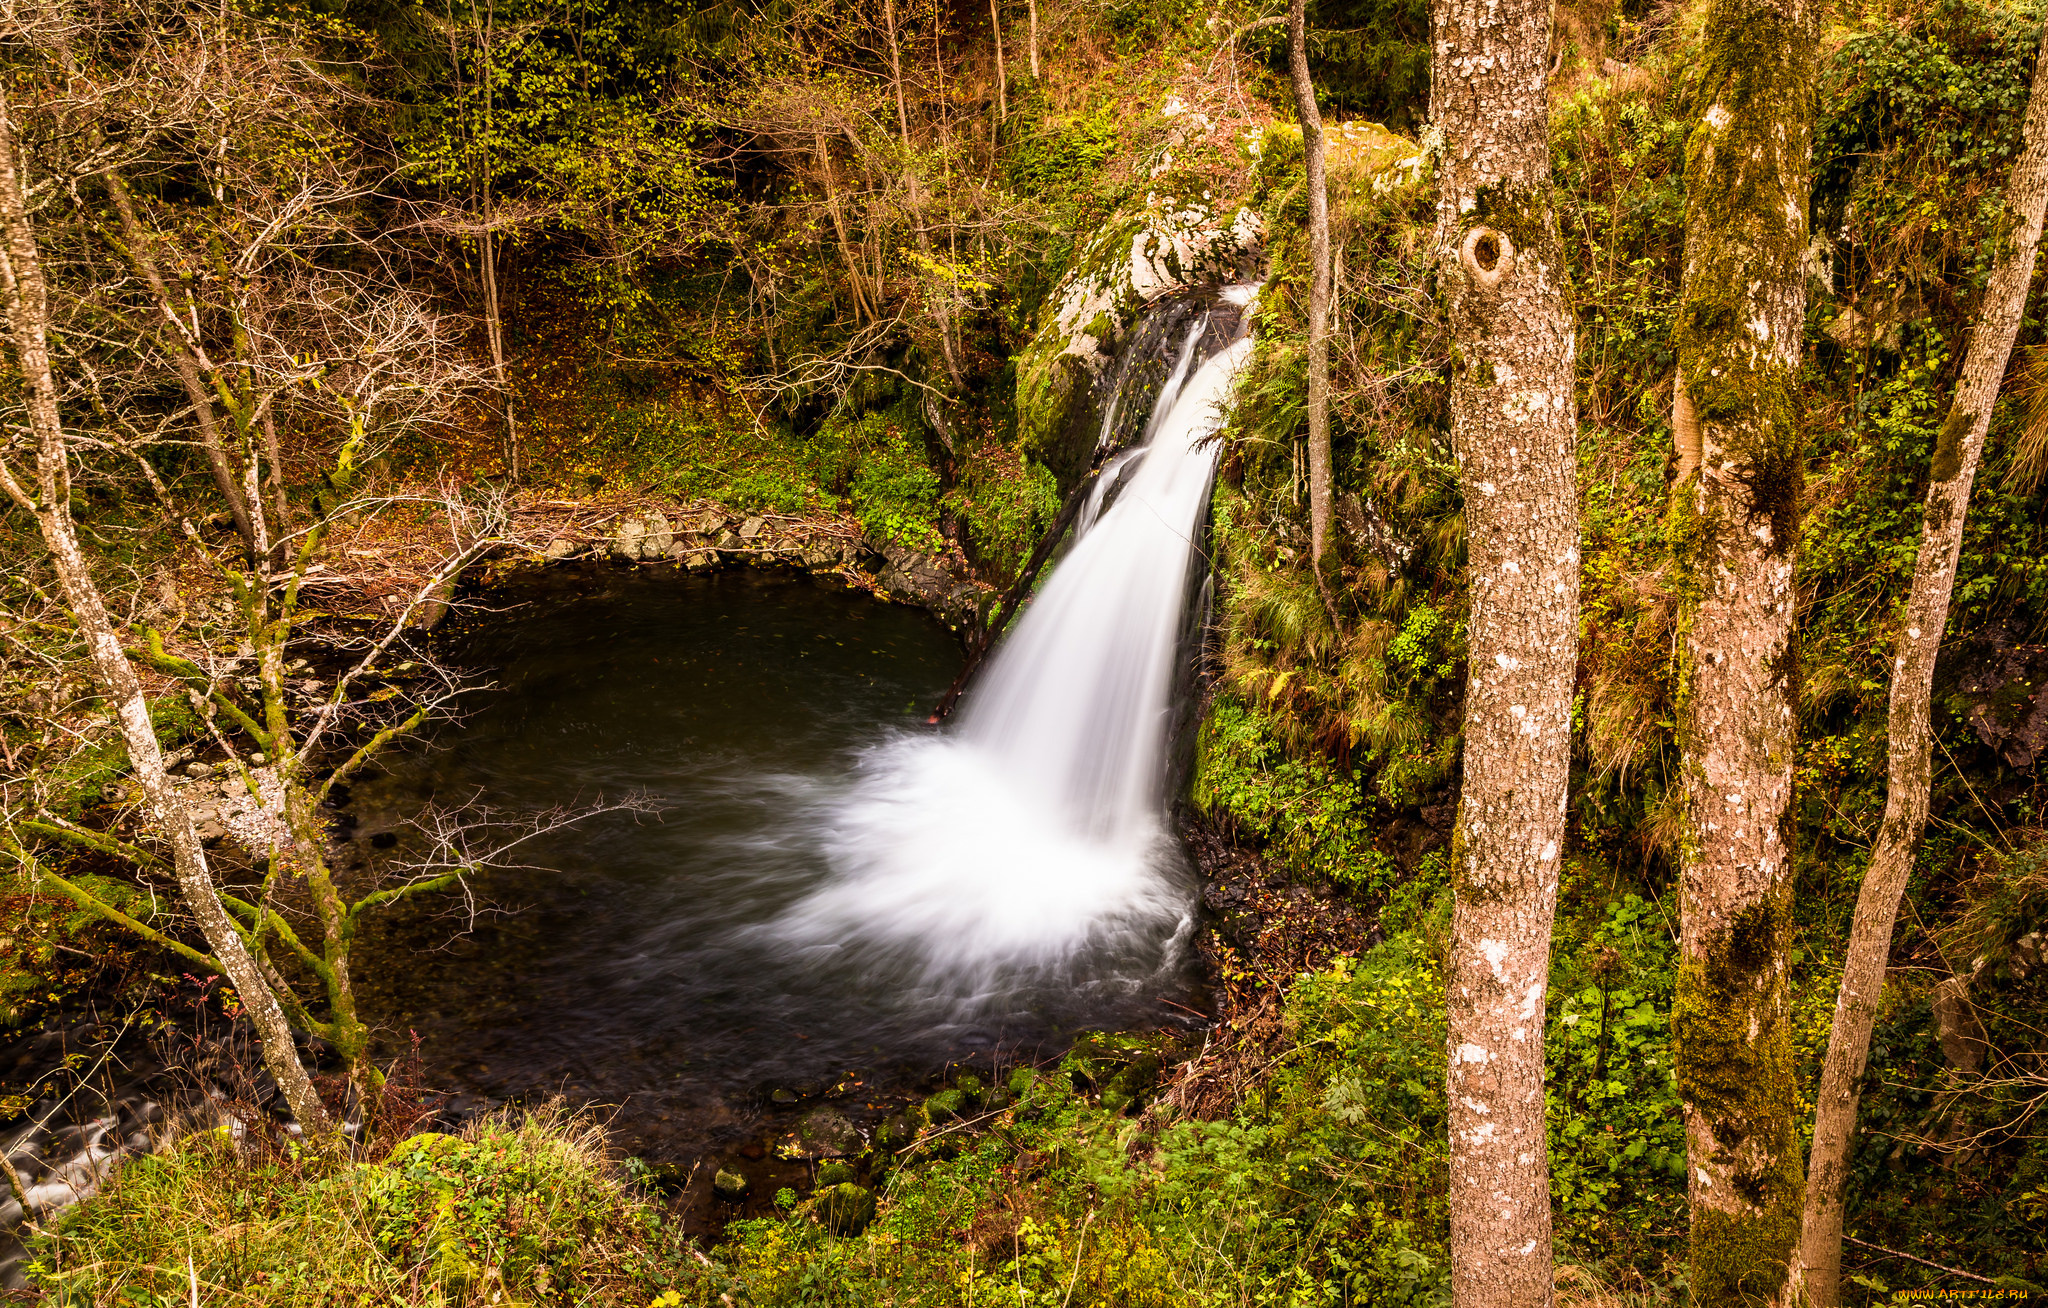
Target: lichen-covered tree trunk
1320	495
1956	455
1514	425
1741	320
27	305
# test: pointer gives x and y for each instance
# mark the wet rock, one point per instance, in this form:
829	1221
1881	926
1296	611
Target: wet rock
846	1209
561	547
824	1133
729	1186
783	1098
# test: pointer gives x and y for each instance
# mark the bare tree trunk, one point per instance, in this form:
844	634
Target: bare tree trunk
495	329
896	74
1741	317
1034	39
28	311
494	318
995	26
1320	496
1956	456
856	277
184	356
1514	426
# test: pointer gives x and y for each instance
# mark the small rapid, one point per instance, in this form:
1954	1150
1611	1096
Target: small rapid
1028	845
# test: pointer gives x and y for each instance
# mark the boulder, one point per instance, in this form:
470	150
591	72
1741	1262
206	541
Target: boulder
561	547
626	542
752	528
846	1209
824	1133
660	537
836	1172
643	537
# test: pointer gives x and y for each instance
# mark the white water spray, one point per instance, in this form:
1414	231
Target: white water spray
1030	841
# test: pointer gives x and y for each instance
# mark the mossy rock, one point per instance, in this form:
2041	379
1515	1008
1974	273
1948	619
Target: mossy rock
836	1172
945	1106
846	1209
730	1186
896	1131
1124	1067
424	1145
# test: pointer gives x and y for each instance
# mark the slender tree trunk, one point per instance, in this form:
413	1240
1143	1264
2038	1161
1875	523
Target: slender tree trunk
1741	318
1514	426
494	318
995	26
496	331
21	277
184	357
1956	456
1034	39
856	276
896	74
1320	495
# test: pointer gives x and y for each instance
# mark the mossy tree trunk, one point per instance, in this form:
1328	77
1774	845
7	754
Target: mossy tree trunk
1734	523
1320	494
1956	455
48	498
1514	425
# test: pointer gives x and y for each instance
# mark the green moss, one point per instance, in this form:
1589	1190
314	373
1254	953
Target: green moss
1747	168
1523	212
1948	449
1731	1025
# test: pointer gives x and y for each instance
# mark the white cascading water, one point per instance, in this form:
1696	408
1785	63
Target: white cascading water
1029	842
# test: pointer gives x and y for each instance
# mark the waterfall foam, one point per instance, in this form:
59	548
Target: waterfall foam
1029	844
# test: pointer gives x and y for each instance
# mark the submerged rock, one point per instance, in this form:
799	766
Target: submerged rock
729	1186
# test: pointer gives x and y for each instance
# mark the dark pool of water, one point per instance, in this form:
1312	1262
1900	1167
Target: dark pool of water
617	966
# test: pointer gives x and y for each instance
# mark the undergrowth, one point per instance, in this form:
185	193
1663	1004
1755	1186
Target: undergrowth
521	1210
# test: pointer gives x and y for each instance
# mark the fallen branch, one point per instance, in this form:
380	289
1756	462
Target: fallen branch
1915	1258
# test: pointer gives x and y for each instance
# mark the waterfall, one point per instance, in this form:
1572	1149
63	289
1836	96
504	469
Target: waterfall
1028	843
